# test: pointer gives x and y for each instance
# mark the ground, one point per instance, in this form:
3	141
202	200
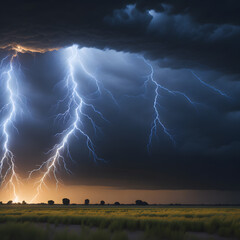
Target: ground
118	222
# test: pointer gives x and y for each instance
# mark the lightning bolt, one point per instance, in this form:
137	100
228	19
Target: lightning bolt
209	86
76	105
9	176
98	83
156	119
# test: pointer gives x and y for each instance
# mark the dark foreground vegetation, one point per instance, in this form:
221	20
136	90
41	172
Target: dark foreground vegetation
30	231
114	222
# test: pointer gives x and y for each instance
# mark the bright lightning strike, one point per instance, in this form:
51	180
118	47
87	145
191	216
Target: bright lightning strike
157	121
9	176
76	105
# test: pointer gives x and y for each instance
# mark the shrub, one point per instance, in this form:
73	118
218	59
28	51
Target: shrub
141	203
66	201
50	202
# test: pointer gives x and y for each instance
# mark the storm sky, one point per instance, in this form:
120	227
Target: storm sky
176	37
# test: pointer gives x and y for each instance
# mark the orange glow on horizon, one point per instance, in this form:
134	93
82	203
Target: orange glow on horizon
25	49
78	193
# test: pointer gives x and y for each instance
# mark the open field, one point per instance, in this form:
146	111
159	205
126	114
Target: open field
115	222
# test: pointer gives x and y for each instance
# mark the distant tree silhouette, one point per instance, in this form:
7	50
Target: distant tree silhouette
138	202
117	203
9	202
87	201
66	201
23	202
1	203
102	203
141	203
50	202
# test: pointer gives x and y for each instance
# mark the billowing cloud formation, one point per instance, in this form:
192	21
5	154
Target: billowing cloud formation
182	33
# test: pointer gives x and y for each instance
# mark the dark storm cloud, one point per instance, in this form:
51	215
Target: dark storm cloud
179	35
183	33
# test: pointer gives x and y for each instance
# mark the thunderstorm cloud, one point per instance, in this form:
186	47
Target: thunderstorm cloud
177	37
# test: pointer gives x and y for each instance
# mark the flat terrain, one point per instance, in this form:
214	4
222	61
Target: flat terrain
118	222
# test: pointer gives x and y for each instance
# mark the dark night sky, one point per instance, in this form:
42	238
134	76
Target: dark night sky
176	36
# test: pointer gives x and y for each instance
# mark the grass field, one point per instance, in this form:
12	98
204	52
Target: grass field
112	222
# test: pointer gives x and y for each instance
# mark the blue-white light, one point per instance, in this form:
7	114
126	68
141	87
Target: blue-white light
9	176
77	105
209	86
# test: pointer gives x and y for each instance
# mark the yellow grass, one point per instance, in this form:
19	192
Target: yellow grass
224	221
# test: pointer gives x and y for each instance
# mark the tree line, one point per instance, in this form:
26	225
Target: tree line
66	201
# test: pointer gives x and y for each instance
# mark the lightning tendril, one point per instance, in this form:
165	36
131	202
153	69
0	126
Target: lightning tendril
157	87
156	119
209	86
